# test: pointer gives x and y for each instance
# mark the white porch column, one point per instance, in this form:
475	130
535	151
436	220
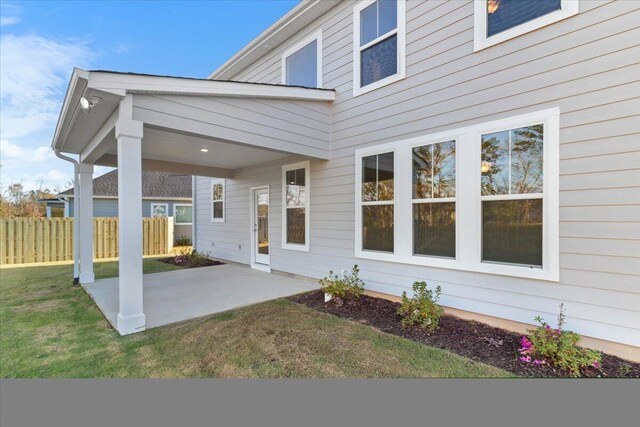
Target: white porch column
85	208
129	135
48	211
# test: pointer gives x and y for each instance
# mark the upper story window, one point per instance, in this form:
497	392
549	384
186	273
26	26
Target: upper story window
217	200
379	44
295	206
500	20
302	63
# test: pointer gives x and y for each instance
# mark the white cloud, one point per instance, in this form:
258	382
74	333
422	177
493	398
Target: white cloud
10	14
15	154
34	73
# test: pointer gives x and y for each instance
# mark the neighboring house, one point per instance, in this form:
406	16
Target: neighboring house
490	147
163	194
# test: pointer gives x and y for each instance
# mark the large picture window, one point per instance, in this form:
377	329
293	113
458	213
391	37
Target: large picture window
379	44
499	20
217	200
434	206
295	206
482	198
377	202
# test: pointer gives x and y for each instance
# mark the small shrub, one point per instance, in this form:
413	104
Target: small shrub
558	347
343	289
422	308
192	258
183	241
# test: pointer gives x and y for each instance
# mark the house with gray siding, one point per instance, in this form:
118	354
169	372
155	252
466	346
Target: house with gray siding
491	147
164	194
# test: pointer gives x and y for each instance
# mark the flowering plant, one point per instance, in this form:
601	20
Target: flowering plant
422	308
558	347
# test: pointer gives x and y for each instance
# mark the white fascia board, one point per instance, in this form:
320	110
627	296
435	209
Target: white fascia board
156	85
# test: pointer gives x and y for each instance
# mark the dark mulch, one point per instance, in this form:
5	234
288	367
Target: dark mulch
186	262
476	341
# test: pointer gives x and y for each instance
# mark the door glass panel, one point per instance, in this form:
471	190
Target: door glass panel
263	223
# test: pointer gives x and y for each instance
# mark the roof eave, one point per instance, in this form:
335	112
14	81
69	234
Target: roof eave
77	86
305	6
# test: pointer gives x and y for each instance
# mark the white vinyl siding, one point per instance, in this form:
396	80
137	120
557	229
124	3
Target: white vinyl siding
586	66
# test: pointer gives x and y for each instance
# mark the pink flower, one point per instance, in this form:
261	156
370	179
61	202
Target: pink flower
539	362
525	343
525	359
596	364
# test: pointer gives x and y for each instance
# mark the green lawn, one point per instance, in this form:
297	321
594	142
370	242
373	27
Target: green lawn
51	328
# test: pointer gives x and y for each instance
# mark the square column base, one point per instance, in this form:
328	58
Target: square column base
87	277
131	324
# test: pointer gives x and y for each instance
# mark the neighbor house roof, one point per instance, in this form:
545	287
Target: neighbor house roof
154	184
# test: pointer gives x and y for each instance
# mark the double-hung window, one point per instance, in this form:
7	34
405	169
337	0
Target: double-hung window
295	206
218	200
379	44
434	203
302	63
499	20
377	206
512	170
481	198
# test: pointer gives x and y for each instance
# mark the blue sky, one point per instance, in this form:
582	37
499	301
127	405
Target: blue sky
41	41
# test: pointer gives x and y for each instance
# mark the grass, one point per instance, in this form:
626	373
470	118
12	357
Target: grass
51	328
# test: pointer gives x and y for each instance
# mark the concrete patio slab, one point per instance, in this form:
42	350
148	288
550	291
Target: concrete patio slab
179	295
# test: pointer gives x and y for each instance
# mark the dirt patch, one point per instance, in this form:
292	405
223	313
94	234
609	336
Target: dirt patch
476	341
187	262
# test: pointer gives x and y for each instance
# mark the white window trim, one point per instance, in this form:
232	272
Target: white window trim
178	205
317	36
401	33
468	199
224	199
151	206
568	8
307	206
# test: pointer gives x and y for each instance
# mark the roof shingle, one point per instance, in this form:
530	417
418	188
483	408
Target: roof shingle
154	184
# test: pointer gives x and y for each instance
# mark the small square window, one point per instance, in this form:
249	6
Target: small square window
302	64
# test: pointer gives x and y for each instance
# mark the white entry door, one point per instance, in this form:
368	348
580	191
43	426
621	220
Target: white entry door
261	238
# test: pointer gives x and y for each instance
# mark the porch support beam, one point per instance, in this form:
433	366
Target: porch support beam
164	166
129	134
85	212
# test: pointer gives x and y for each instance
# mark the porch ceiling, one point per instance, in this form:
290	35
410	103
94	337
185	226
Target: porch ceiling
167	145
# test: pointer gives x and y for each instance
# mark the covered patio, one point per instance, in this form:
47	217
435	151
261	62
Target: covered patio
174	296
195	126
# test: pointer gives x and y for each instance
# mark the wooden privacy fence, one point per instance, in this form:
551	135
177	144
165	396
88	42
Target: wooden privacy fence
31	240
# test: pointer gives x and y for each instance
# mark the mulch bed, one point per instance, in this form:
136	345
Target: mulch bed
476	341
184	262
